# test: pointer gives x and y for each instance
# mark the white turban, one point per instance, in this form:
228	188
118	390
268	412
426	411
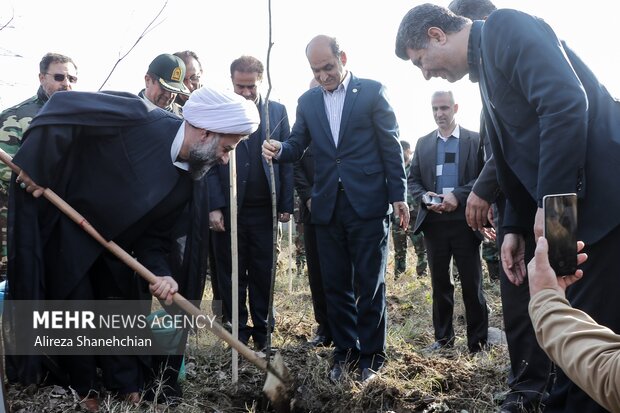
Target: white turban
221	112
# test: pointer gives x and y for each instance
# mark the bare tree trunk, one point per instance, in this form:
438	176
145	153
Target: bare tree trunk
274	212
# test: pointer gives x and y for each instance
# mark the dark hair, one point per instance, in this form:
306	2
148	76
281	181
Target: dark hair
247	64
472	9
405	145
413	29
186	55
50	58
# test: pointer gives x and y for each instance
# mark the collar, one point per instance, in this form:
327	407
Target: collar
474	54
344	85
41	95
176	149
456	133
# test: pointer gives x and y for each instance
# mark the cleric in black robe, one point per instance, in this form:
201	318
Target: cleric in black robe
127	167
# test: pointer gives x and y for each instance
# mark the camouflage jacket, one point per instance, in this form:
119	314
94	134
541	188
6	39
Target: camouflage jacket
15	121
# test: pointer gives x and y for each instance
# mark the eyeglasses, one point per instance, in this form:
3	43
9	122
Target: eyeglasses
194	79
60	77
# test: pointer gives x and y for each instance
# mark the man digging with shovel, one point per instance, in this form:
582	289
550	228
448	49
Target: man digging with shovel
130	169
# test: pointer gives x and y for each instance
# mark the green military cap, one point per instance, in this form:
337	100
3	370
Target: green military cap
171	71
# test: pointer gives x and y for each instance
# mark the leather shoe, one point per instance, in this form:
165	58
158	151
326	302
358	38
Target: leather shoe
438	345
132	398
515	403
336	373
89	403
227	326
320	341
368	375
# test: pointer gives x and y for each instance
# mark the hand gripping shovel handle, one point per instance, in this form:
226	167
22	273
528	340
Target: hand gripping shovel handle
145	273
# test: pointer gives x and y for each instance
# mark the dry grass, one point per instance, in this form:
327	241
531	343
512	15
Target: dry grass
451	381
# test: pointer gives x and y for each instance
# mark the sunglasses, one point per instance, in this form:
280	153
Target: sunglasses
60	77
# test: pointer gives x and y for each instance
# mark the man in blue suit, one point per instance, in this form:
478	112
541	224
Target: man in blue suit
553	128
255	225
359	173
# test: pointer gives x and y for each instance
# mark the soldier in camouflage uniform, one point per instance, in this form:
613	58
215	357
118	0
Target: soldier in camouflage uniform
400	236
300	250
56	72
490	253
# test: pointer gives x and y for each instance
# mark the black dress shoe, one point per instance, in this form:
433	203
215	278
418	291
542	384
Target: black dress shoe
438	345
320	341
515	403
337	372
368	375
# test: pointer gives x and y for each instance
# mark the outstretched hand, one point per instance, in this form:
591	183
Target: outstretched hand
541	275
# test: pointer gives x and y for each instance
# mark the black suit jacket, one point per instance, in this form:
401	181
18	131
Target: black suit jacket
423	172
553	127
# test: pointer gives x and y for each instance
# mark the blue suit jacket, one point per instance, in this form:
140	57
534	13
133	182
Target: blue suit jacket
368	159
423	173
219	178
553	127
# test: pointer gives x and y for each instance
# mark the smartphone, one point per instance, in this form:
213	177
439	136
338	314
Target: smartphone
560	230
431	200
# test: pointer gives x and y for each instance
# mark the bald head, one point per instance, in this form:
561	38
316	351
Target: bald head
327	61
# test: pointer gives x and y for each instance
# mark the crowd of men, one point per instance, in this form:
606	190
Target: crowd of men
150	172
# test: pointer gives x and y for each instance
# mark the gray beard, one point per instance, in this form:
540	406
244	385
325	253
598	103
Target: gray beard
202	157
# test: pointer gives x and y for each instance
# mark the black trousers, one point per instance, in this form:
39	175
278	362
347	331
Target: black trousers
353	252
596	294
315	280
255	249
121	373
444	240
530	367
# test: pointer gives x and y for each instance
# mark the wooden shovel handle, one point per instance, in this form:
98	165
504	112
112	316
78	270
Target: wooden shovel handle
144	272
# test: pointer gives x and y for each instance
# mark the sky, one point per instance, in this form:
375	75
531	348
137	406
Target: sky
97	34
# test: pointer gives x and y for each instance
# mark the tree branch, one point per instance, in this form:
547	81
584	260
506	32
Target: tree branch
10	20
147	30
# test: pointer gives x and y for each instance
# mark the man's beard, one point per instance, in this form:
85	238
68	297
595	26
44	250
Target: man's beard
202	157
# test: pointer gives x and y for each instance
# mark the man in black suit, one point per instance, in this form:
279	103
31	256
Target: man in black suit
445	165
529	365
354	137
551	131
255	224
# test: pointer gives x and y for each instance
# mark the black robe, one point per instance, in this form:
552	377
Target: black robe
109	156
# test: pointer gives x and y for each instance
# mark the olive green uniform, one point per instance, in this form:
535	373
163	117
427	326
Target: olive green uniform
400	240
14	121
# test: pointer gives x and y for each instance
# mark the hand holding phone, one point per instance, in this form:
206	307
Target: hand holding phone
431	199
560	230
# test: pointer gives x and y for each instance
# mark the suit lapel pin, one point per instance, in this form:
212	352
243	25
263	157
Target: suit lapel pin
354	90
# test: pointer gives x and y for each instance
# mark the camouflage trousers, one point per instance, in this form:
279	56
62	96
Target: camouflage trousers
400	250
300	249
490	255
4	202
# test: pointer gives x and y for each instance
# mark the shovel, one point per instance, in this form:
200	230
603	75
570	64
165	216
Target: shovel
278	385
